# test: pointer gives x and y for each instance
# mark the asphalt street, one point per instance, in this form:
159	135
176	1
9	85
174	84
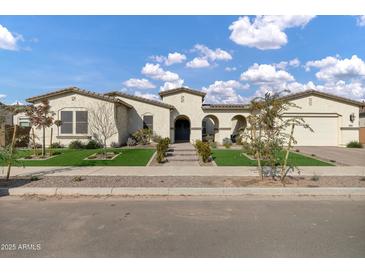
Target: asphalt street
181	227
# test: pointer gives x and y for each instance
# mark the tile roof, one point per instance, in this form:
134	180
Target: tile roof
225	106
140	99
77	91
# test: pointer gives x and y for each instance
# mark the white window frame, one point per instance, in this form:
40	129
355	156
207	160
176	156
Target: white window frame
74	110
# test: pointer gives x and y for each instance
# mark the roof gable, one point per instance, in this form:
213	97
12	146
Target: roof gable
180	90
310	92
140	99
76	90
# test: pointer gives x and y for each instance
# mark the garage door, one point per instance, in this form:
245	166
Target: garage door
325	132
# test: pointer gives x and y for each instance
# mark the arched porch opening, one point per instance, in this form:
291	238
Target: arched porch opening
239	124
210	127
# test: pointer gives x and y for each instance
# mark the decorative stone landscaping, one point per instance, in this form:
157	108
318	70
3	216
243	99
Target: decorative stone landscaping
110	155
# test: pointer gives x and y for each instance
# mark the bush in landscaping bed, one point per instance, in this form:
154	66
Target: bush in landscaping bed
115	145
57	145
162	147
143	136
92	144
76	145
204	150
354	144
227	142
131	142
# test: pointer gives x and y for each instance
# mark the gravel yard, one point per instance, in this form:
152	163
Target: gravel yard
188	181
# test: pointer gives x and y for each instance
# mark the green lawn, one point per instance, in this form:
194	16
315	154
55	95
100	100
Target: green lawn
233	157
75	157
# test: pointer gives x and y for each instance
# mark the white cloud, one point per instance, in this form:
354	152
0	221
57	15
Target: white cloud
264	74
361	21
2	96
334	69
265	32
291	63
172	58
8	41
172	85
213	55
156	72
138	83
198	62
225	92
150	96
230	68
171	79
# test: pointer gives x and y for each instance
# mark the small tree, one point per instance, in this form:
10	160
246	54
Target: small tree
269	132
41	117
102	124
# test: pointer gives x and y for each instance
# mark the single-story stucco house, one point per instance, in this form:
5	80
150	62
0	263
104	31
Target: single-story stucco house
182	116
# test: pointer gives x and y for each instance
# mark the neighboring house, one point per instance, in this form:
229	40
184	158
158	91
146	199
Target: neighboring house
8	120
182	116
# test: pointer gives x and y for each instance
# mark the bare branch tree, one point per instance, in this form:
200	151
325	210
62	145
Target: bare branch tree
102	123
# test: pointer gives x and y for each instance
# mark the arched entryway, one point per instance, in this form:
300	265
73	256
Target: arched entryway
239	124
210	126
182	129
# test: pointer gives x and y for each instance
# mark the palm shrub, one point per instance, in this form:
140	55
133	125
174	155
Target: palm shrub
354	144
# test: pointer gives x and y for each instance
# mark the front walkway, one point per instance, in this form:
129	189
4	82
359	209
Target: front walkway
182	154
177	171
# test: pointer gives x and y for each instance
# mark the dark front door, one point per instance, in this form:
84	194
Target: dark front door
182	130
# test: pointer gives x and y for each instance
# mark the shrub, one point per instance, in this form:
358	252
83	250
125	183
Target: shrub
227	142
57	145
115	144
34	178
354	144
315	178
162	147
76	145
92	144
143	136
37	145
131	142
203	150
56	153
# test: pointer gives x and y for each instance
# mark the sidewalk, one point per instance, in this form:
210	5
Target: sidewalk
176	171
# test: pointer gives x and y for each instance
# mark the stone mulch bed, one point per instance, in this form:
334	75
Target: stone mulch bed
178	181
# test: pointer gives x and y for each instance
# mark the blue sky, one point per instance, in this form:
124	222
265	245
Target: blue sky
232	58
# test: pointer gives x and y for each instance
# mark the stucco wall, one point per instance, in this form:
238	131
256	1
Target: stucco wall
75	102
191	107
161	117
326	117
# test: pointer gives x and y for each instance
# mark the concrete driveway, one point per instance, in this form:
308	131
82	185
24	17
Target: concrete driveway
342	155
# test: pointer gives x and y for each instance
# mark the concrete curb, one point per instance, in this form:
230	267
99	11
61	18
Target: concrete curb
181	191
